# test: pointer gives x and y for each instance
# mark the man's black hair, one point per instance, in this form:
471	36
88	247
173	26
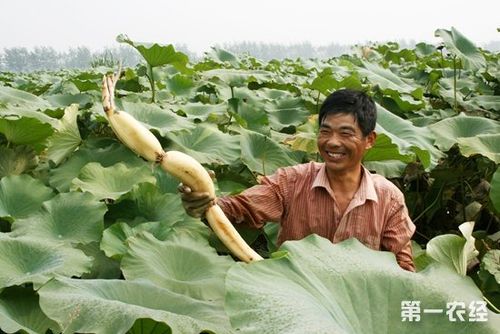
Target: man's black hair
354	102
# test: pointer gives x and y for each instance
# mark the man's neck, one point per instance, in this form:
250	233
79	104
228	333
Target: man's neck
347	181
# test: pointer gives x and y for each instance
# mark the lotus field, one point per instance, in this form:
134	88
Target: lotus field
94	239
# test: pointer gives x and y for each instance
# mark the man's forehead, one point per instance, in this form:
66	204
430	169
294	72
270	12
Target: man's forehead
339	120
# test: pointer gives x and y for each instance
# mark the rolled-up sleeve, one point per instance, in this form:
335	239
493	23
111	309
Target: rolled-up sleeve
259	204
398	232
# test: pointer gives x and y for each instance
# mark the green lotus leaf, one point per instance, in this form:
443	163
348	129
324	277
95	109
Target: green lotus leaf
489	102
262	155
156	54
487	145
20	311
222	56
153	117
314	286
237	78
111	182
16	97
408	138
66	137
423	49
181	264
115	238
145	200
17	160
115	305
201	111
103	151
491	263
386	79
102	266
149	326
21	195
386	168
86	85
68	217
385	149
461	47
29	260
180	85
286	111
495	190
65	100
26	131
452	250
207	144
447	131
252	117
16	112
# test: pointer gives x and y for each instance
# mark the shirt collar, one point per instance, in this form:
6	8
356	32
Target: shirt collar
366	190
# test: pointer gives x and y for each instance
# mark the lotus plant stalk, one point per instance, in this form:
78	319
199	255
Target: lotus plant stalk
140	140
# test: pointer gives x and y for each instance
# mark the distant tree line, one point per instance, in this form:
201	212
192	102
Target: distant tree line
21	59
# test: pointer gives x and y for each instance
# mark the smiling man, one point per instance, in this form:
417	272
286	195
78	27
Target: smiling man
337	199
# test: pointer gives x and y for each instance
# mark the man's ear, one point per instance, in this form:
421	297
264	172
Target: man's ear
370	140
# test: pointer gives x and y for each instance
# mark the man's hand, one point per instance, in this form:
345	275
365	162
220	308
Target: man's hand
195	203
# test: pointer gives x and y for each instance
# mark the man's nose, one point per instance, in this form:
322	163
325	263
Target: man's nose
333	140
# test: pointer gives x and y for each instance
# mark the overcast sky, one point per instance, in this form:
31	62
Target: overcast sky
201	24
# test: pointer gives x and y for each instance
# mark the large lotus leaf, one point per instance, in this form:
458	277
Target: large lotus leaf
387	80
69	217
286	111
448	130
495	190
386	168
201	111
29	260
180	85
115	238
147	201
153	117
115	305
461	47
262	155
319	287
12	96
102	266
182	263
103	151
156	54
17	160
454	251
66	137
207	144
21	195
252	117
222	56
489	102
25	131
408	137
111	182
487	145
28	112
385	149
65	100
237	78
19	310
491	263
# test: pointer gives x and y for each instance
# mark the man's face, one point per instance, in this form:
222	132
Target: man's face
342	144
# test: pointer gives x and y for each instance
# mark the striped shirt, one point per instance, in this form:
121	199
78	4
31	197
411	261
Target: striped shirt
301	200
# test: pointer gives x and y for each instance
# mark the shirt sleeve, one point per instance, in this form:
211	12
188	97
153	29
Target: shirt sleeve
259	204
398	232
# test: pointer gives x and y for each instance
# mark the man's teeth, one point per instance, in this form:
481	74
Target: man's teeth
335	155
